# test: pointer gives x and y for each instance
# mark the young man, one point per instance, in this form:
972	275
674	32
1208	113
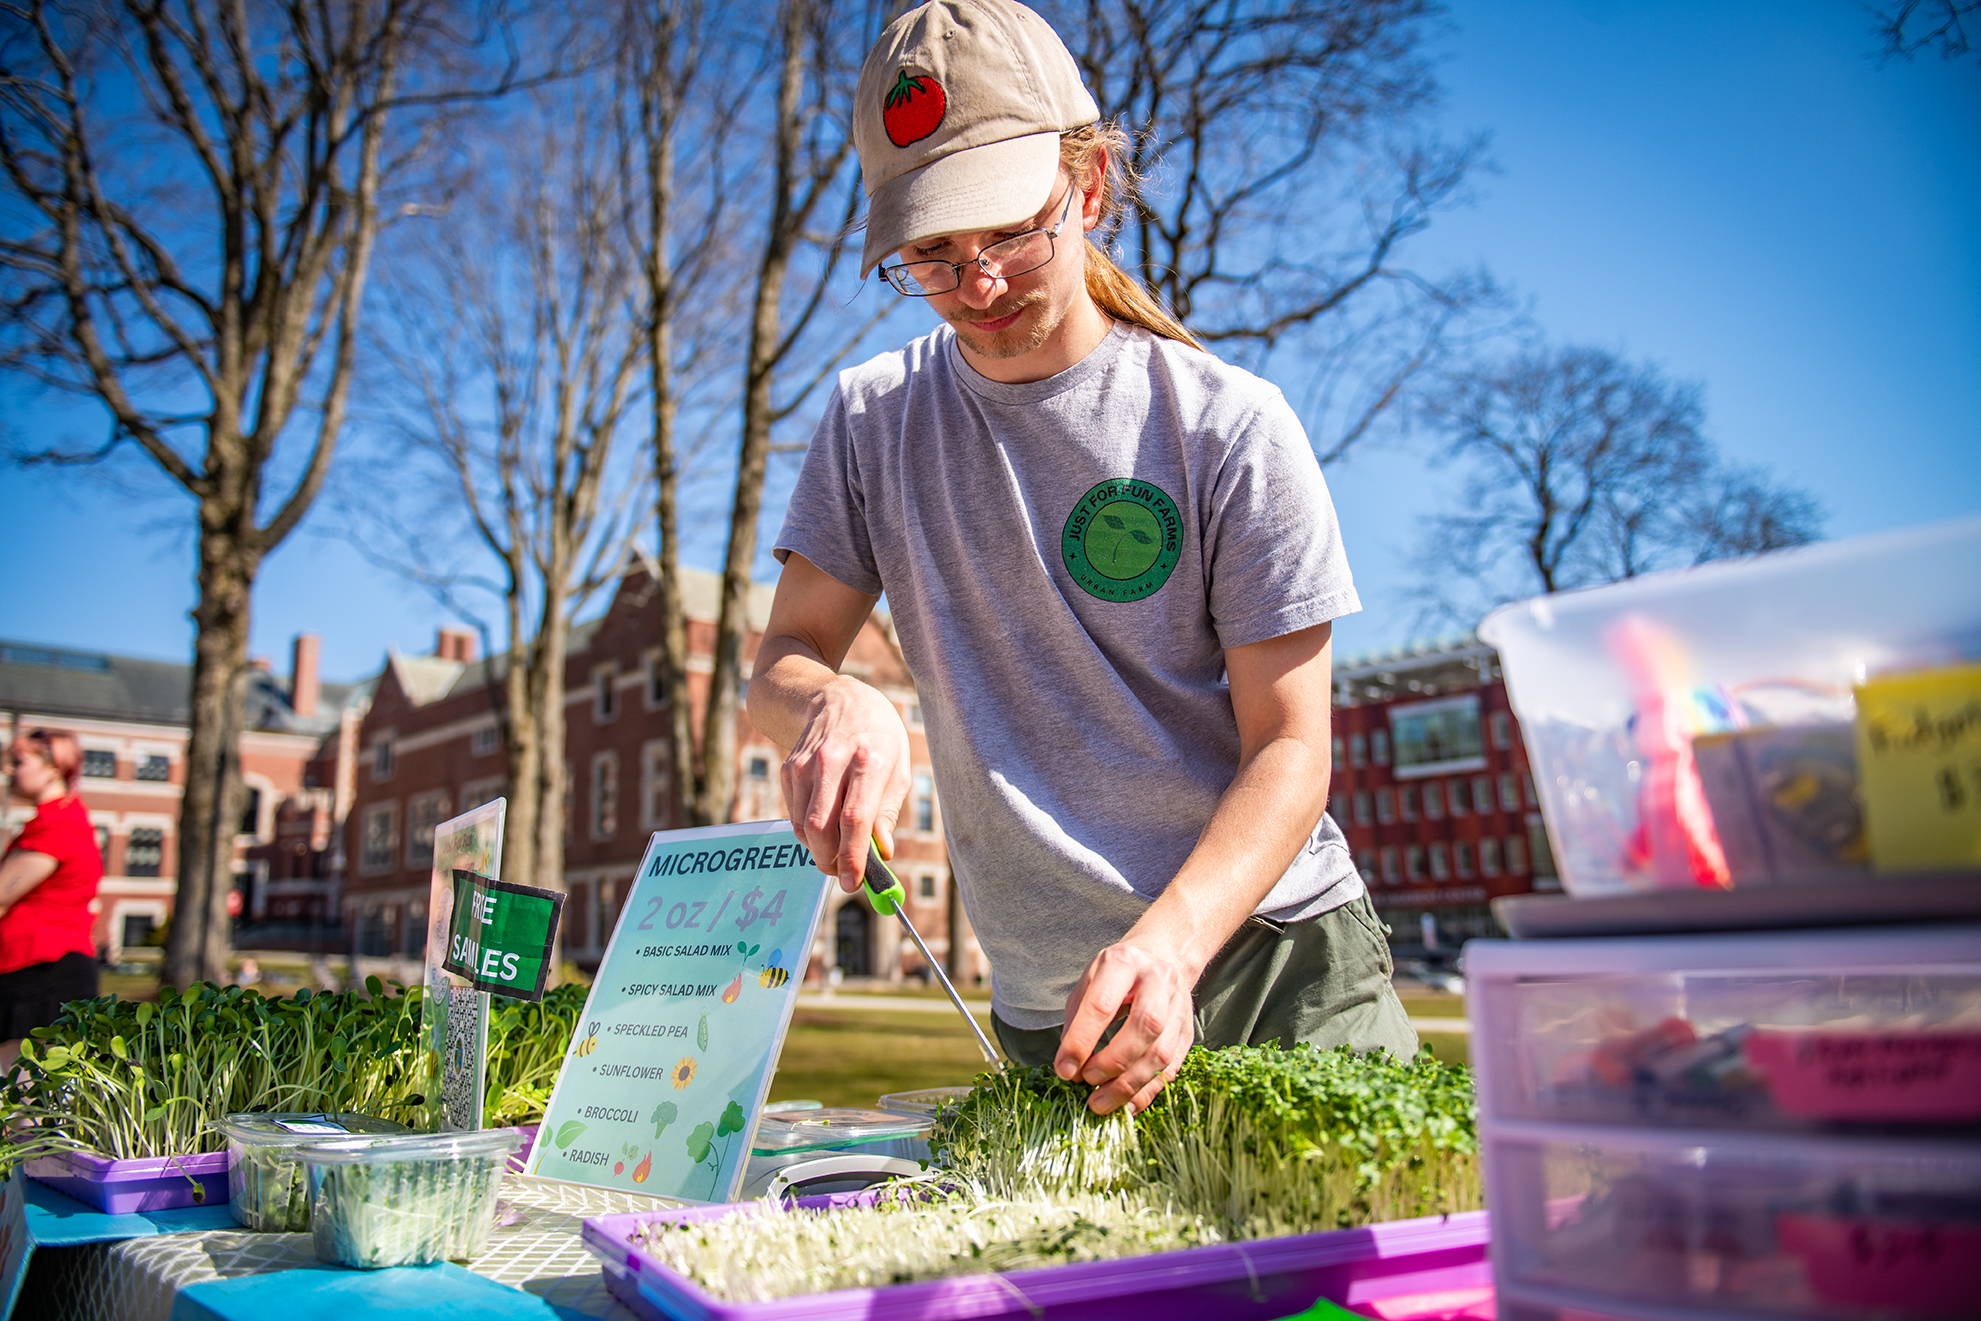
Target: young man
1112	564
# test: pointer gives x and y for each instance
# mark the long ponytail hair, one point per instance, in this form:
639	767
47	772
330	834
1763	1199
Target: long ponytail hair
1100	151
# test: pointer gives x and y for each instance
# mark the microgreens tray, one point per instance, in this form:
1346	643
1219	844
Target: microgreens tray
1249	1281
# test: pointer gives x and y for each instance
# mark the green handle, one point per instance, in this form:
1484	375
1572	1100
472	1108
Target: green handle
883	890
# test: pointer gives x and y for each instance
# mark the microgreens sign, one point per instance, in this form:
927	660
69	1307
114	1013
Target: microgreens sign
500	934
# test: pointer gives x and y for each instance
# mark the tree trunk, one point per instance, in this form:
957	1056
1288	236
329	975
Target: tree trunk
210	811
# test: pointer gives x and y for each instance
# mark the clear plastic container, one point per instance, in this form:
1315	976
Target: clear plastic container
1770	1226
830	1127
1697	727
1841	1031
405	1201
266	1186
923	1104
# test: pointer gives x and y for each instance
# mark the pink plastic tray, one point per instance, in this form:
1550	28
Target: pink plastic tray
158	1183
1257	1281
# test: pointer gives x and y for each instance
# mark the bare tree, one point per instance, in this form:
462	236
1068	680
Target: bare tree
521	331
1582	468
192	192
1911	26
817	48
1285	175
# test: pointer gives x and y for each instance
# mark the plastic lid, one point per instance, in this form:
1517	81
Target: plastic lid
465	1145
923	1102
297	1127
831	1127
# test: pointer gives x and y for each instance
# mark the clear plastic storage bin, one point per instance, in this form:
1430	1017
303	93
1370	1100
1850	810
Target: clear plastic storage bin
1698	727
405	1201
1831	1031
266	1186
1767	1226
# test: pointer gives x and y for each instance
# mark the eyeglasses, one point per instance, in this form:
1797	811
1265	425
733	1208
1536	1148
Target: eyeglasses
1000	261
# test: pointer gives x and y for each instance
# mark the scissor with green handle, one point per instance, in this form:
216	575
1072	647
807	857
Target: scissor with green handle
887	896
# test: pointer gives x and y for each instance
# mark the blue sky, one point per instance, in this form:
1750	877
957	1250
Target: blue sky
1740	193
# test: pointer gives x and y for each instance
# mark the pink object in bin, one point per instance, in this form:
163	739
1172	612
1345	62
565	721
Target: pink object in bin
1445	1305
1922	1077
1929	1270
1256	1281
156	1183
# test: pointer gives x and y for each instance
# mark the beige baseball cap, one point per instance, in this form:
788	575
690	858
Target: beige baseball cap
957	121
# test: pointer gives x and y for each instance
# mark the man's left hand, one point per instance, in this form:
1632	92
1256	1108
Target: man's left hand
1153	988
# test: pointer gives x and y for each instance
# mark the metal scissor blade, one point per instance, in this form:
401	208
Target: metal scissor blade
883	888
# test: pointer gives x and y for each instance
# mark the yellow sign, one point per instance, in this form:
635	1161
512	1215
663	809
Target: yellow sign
1919	760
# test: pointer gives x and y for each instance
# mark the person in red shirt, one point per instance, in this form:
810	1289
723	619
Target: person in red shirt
48	881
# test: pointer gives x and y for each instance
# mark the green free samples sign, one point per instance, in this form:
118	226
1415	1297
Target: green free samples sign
499	935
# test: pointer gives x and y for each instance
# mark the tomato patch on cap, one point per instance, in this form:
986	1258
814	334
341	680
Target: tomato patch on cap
913	108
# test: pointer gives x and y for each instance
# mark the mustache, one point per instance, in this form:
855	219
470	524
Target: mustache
1003	310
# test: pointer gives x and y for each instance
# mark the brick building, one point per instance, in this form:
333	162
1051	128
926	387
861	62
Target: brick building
1431	787
429	748
130	715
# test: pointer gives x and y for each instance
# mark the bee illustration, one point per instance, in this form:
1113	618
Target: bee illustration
589	1044
773	976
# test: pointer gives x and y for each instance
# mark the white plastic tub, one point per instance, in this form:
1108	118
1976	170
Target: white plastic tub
1724	695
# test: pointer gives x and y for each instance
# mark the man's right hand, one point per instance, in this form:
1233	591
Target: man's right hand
847	777
848	771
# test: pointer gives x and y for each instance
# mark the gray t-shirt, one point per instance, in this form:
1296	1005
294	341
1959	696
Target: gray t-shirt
1066	562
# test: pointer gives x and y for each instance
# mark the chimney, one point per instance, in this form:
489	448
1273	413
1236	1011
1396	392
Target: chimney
455	644
262	663
305	679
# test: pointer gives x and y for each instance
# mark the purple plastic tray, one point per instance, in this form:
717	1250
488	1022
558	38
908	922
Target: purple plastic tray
156	1183
519	1159
1256	1281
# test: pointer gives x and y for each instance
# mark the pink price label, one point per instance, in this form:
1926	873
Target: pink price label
1920	1077
1931	1270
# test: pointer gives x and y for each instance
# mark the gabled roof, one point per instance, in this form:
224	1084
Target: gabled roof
424	678
60	681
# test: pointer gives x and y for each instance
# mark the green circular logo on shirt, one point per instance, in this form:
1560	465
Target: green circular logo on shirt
1122	540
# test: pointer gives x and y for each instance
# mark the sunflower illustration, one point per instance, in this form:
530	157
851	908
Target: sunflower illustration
684	1073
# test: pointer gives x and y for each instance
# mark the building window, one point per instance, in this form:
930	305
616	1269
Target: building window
656	682
924	803
486	739
925	887
1338	807
476	792
1364	814
1509	793
1461	857
1413	862
137	928
1392	868
914	715
424	813
154	767
605	700
1437	736
144	851
605	795
1482	793
1385	805
760	768
1340	750
1410	802
1489	856
576	920
99	763
1433	801
375	846
1502	730
1379	747
1516	854
1358	750
1365	864
250	810
1459	798
1527	779
656	786
381	759
1440	861
1537	847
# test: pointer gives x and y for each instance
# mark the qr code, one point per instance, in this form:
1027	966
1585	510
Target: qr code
461	1061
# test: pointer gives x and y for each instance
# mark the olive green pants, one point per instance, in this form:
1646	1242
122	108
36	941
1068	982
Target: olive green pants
1325	980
